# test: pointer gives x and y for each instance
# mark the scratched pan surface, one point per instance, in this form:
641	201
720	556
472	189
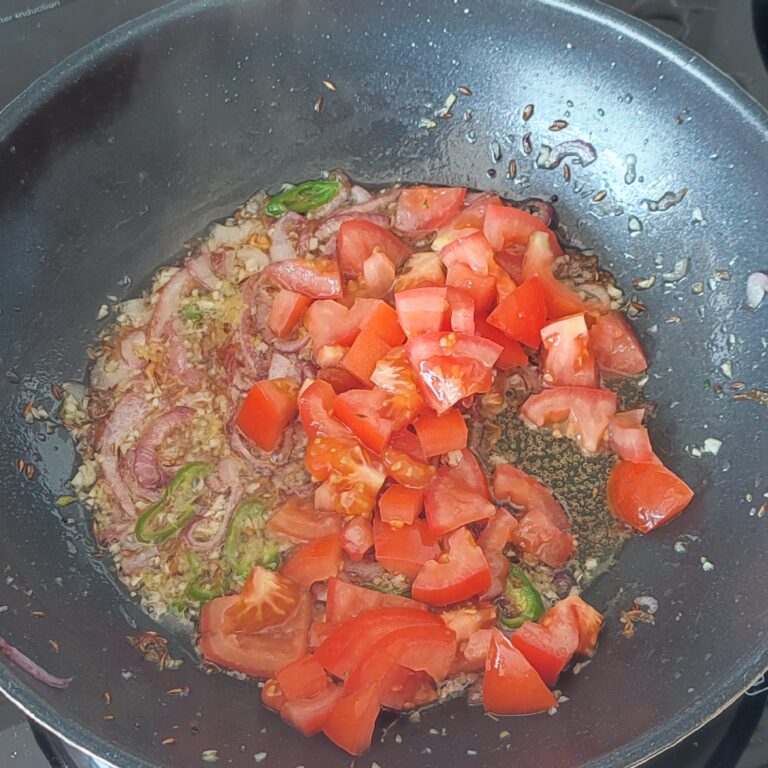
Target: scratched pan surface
109	162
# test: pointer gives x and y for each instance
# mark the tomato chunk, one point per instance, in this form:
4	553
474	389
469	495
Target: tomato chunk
362	411
404	549
588	622
422	310
450	503
568	361
345	601
480	288
302	678
297	521
309	715
357	538
400	505
646	494
315	411
628	437
536	535
512	354
395	376
511	686
352	720
548	649
467	221
422	209
356	241
526	492
522	314
458	574
581	413
287	309
421	270
381	319
317	560
469	473
538	261
505	225
267	410
441	434
615	346
366	351
318	279
472	251
492	541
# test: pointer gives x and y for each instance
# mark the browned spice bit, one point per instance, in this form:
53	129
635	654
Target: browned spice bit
527	145
20	464
465	91
56	391
167	742
633	616
638	306
38	614
329	85
737	385
762	508
55	645
27	409
678	120
599	196
29	471
512	170
108	717
178	691
528	112
558	125
468	115
319	105
154	648
717	389
566	172
673	319
595	491
107	698
758	395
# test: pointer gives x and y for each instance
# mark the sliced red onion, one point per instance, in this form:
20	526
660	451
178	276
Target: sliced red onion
178	361
109	372
146	465
227	474
330	226
257	299
210	543
114	532
201	268
597	296
168	303
582	152
135	561
283	367
257	465
224	235
376	203
291	346
24	662
283	247
539	208
359	195
256	363
328	250
126	416
223	262
757	287
129	342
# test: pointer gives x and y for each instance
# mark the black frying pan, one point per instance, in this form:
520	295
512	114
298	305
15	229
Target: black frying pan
109	162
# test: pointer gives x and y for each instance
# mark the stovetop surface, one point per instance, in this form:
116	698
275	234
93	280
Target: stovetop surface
36	35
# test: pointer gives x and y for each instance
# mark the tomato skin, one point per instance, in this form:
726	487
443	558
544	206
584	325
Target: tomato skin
422	209
511	686
459	574
548	649
404	549
361	410
522	314
287	309
511	261
536	535
421	270
646	494
345	601
302	678
467	221
340	379
628	437
403	468
480	288
267	410
441	434
356	241
318	279
450	504
309	715
539	257
581	413
492	541
403	690
422	310
473	252
615	346
505	225
352	720
317	560
588	622
568	361
469	473
512	354
297	521
357	538
366	351
400	505
524	491
315	404
381	319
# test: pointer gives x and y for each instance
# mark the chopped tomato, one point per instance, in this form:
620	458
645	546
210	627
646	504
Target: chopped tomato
422	310
357	538
513	485
473	653
260	654
505	225
356	241
536	535
287	309
548	649
628	437
452	366
480	288
330	355
588	622
468	472
403	690
400	505
578	412
450	503
381	319
407	441
340	379
315	411
511	261
458	574
568	361
376	279
317	560
361	410
441	434
309	715
332	324
512	354
352	720
615	346
402	467
505	285
464	622
511	686
492	541
646	494
366	351
422	270
318	279
422	209
272	696
462	309
297	521
302	678
267	598
468	220
473	252
539	257
346	600
267	410
405	548
522	314
395	376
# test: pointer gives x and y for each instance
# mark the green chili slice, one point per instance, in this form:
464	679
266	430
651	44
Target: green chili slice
303	197
203	588
166	517
247	543
520	601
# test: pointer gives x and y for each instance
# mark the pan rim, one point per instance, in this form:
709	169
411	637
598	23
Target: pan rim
15	114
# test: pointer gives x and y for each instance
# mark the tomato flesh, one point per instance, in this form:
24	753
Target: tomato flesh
287	309
548	649
615	346
441	434
267	410
538	261
473	252
628	437
526	492
522	314
512	354
362	411
317	560
588	622
568	361
318	279
422	209
357	538
302	678
297	521
505	225
404	548
366	351
356	241
345	601
450	503
400	504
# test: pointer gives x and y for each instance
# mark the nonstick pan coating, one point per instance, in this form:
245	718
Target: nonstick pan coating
111	161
